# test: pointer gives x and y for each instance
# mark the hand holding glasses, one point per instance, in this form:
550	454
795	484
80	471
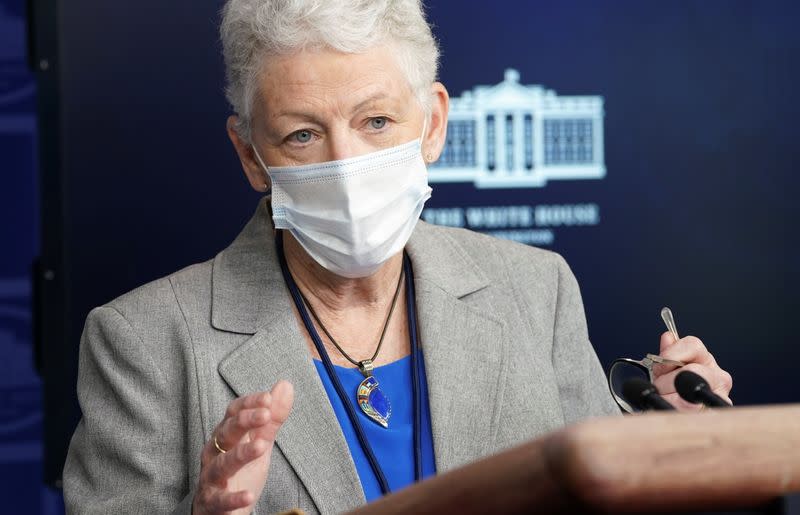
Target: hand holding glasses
624	369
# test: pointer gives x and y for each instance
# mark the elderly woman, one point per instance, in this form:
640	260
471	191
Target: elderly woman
339	349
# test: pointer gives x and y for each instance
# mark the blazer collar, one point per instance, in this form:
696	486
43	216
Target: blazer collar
463	347
246	278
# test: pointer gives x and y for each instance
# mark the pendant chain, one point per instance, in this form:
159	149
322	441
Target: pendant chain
364	366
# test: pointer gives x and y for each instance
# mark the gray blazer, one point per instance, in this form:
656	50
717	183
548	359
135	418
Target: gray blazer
503	336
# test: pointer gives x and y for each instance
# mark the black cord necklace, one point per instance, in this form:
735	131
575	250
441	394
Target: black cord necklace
371	399
365	366
297	297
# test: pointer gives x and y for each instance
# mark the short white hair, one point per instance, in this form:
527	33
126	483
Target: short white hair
254	30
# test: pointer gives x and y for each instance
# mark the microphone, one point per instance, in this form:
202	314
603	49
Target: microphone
693	388
644	395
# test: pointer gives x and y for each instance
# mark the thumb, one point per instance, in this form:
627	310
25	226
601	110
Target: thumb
667	341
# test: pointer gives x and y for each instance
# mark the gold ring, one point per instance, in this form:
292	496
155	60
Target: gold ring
218	446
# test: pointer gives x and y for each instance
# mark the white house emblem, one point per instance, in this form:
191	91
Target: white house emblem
514	136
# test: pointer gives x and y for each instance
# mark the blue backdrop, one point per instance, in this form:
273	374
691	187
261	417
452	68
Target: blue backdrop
697	205
20	387
693	208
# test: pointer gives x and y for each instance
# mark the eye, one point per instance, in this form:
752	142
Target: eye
378	123
301	136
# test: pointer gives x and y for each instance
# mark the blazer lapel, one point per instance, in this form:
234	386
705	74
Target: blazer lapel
464	349
463	345
249	297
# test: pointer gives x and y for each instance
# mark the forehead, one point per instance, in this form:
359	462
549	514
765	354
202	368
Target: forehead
325	79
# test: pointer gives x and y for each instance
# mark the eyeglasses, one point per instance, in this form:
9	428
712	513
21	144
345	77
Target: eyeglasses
624	369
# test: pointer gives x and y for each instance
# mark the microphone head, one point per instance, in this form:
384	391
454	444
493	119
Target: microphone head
688	385
636	389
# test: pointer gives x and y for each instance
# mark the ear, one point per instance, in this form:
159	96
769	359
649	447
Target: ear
433	141
256	175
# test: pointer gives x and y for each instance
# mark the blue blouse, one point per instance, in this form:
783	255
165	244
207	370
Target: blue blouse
393	447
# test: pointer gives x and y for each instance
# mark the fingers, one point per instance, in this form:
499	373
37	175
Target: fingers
719	380
254	400
282	401
282	398
688	349
229	433
219	501
683	405
680	404
666	382
245	435
232	429
212	495
691	351
666	387
226	465
725	385
251	413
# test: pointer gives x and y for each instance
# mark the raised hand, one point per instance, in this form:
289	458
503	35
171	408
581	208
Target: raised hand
234	466
691	351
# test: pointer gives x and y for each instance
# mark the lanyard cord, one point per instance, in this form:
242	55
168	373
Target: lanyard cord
411	308
337	385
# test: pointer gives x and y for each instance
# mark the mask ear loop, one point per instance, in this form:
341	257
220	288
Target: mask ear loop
267	189
426	157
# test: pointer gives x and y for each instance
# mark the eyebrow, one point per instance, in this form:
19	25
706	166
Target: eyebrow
297	114
372	98
313	117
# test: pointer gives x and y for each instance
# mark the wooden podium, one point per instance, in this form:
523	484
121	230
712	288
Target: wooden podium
729	459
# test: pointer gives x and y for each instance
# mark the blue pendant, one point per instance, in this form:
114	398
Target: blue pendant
373	402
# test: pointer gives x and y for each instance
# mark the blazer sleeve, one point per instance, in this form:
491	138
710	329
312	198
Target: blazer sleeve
128	453
583	388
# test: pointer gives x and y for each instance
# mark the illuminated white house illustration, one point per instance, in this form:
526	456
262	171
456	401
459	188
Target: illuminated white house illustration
516	136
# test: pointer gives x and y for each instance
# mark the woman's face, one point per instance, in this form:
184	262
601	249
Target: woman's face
323	105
